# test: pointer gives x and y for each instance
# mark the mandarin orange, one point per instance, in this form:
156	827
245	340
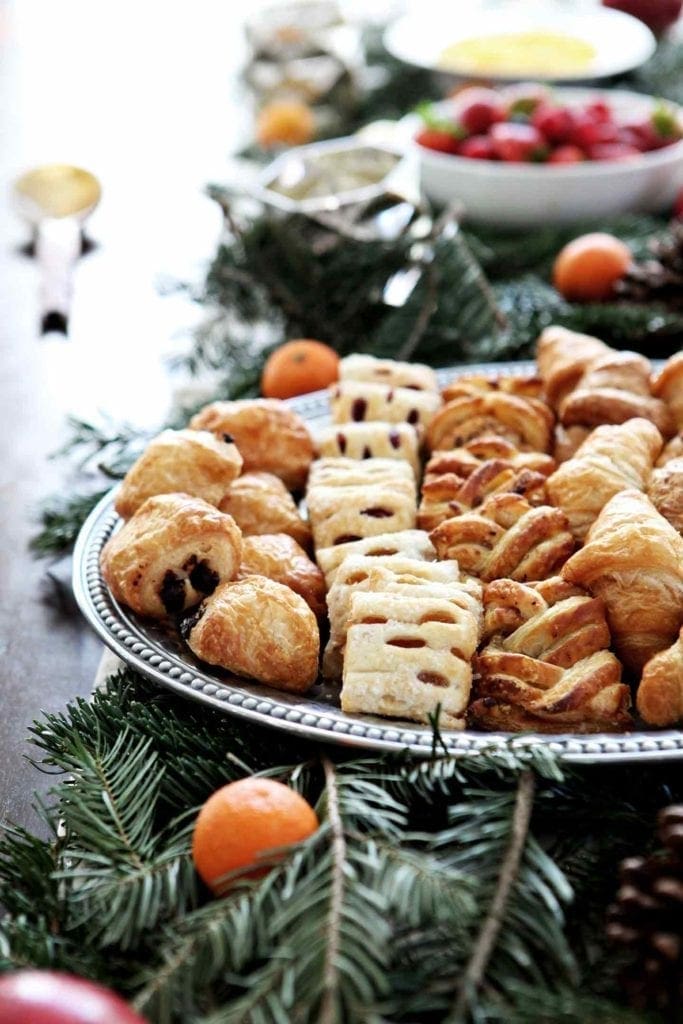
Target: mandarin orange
298	367
587	269
285	123
242	822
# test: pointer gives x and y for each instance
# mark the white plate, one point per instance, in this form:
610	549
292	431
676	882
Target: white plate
621	42
161	656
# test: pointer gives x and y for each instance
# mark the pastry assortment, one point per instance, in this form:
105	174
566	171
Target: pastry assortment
529	577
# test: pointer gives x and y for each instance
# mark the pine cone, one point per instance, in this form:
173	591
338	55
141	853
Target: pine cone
647	919
660	278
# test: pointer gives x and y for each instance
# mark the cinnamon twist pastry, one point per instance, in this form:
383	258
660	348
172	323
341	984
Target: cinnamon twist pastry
633	560
660	695
506	538
446	495
668	385
611	459
546	665
525	422
465	460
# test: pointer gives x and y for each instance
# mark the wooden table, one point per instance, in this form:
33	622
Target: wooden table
142	95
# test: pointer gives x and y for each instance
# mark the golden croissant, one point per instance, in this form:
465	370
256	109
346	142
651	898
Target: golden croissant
660	694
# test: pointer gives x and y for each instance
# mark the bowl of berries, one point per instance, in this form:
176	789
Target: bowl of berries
526	154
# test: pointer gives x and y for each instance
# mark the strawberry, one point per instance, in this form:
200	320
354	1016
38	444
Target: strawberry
555	123
478	147
481	109
567	154
612	151
588	132
441	141
518	143
523	98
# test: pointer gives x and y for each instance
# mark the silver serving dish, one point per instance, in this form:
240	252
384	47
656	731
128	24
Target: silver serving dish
161	656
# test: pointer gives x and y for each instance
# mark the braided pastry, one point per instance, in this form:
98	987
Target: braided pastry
446	495
562	357
463	461
506	538
660	695
668	385
525	422
546	665
666	492
611	459
633	560
416	376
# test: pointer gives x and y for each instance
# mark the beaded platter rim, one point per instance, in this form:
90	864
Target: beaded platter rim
150	652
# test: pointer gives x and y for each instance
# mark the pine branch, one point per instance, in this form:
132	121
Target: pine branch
61	520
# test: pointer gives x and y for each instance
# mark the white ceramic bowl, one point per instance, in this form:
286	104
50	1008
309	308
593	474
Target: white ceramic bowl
524	195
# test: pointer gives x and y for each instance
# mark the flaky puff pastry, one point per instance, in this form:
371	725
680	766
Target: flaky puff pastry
545	665
416	376
445	495
529	386
611	459
261	629
673	449
373	440
465	460
260	503
562	357
525	422
172	553
660	694
180	461
270	436
633	560
506	538
668	385
666	492
279	557
401	544
355	401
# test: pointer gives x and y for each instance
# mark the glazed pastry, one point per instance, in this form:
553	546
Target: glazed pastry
271	437
672	450
633	560
279	557
530	386
363	572
668	385
402	544
348	500
545	665
666	492
258	628
388	371
562	357
524	422
371	440
660	695
174	551
180	461
409	651
354	401
611	459
447	494
260	503
506	538
464	461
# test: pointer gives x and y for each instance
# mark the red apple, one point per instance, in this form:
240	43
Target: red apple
659	15
49	997
517	143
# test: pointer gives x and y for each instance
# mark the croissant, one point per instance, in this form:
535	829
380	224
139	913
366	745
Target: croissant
546	665
371	440
258	628
567	441
611	459
448	495
668	385
506	538
528	386
465	460
633	560
279	557
672	450
525	422
361	367
174	551
666	492
660	694
271	437
562	357
180	462
260	503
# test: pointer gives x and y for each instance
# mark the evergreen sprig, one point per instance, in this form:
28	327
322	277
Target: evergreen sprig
459	889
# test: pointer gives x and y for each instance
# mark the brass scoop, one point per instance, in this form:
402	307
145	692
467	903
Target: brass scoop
55	200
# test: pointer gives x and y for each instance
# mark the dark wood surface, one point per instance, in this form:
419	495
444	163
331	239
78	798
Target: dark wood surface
142	95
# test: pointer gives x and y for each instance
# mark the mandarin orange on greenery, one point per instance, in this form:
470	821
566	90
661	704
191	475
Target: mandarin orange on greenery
244	821
298	367
285	123
587	269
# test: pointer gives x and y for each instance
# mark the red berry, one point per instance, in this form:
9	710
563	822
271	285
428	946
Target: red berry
599	111
523	97
678	205
478	147
517	143
657	14
588	132
443	142
477	109
567	155
49	997
612	151
556	123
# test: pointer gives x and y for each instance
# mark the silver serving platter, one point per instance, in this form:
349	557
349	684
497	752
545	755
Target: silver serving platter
161	655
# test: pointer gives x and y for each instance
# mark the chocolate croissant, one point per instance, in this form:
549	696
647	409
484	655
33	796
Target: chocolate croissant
174	551
660	693
633	560
279	557
611	459
183	462
506	538
545	665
